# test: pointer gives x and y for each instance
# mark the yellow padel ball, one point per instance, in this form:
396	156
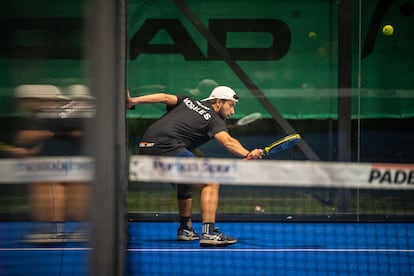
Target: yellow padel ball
388	30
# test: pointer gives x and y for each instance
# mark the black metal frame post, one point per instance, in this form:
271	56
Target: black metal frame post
107	55
344	94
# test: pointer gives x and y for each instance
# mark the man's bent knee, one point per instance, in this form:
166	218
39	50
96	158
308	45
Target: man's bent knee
211	186
184	192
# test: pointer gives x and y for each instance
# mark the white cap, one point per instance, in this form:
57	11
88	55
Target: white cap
223	93
79	92
39	91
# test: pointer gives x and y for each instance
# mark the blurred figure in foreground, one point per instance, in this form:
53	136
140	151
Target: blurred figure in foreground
54	127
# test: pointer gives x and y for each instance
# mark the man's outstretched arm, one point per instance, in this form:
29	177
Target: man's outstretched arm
235	147
168	99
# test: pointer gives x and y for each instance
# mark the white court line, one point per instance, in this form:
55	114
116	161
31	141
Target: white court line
268	250
339	250
47	249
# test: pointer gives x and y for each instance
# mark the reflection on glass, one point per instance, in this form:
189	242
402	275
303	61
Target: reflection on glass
53	125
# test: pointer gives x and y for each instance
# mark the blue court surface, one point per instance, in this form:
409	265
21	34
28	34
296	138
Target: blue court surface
263	249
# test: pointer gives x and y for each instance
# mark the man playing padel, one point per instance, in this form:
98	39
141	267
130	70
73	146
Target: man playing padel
188	124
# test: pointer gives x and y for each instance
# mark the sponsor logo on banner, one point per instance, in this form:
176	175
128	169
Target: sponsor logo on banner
387	174
196	168
51	167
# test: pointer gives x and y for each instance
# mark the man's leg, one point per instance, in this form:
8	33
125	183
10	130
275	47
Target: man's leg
209	205
185	204
77	199
48	211
185	207
48	202
209	198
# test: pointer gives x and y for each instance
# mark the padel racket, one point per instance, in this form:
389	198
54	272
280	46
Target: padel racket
249	119
282	144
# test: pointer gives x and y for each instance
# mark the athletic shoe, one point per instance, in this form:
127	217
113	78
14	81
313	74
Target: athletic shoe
187	235
45	238
216	239
79	236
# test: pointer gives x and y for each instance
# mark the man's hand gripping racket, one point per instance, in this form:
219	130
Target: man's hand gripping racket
279	145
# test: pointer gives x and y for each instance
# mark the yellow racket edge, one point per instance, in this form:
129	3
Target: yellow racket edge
267	149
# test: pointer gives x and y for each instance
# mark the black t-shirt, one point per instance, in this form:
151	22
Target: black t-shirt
62	143
186	125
